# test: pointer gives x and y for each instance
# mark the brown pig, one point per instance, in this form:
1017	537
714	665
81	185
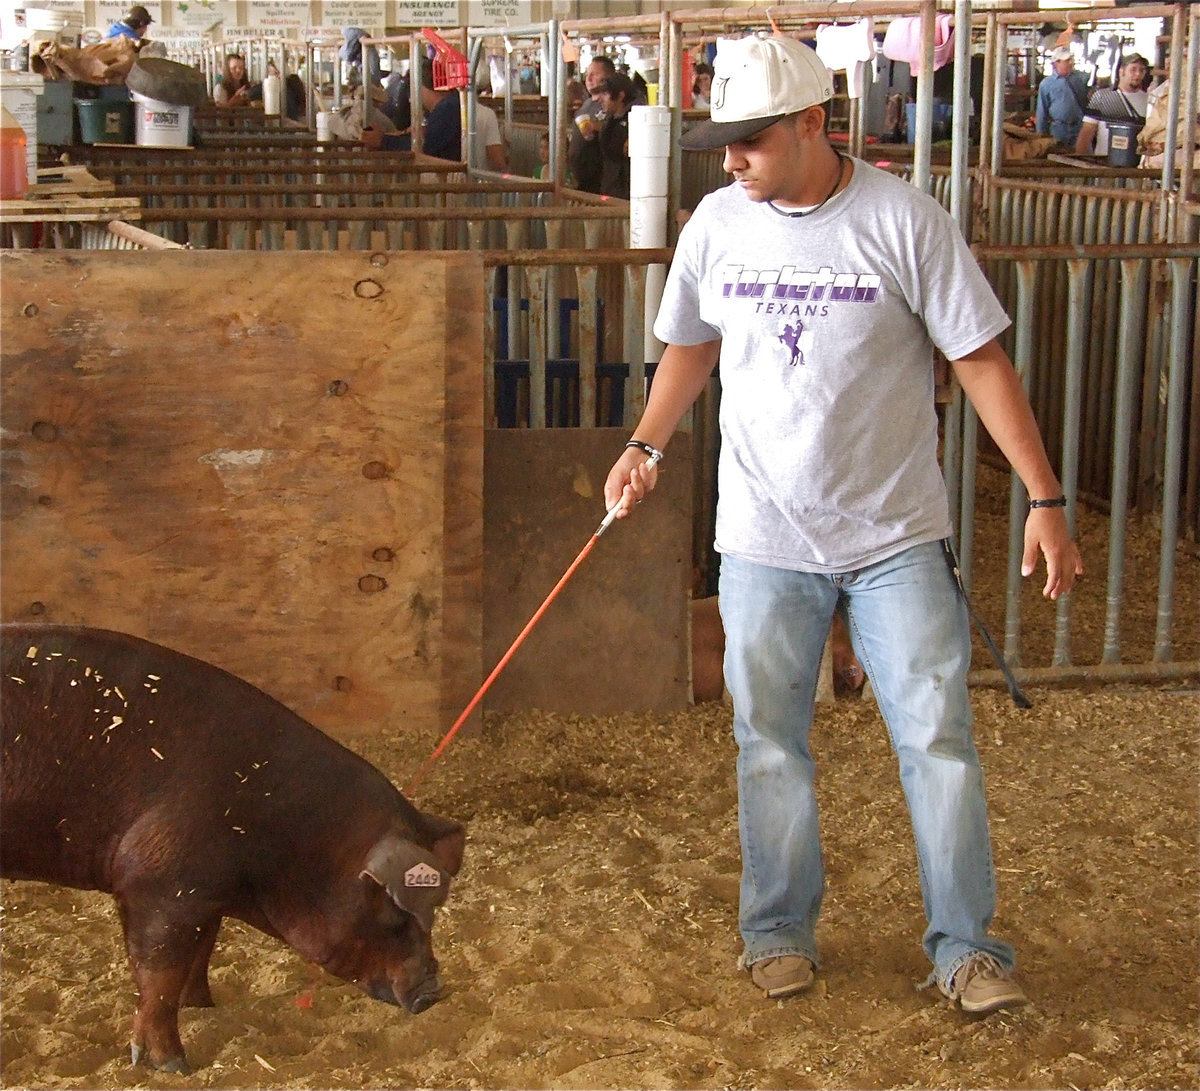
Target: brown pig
189	795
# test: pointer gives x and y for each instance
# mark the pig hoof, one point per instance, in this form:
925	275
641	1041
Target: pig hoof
137	1054
423	1002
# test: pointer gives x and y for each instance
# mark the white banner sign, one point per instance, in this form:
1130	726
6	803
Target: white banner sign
113	11
240	34
63	7
283	14
180	39
426	13
367	14
201	15
500	13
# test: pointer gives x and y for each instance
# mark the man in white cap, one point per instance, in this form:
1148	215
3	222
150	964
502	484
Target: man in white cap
1062	98
823	287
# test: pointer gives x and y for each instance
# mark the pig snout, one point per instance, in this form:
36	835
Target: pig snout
413	991
424	995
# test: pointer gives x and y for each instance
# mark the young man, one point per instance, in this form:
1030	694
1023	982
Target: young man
823	286
615	95
584	156
1127	101
1061	98
443	118
134	25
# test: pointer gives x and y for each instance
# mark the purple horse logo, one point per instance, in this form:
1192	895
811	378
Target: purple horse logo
791	338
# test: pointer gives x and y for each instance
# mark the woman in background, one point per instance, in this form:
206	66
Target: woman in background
701	86
234	88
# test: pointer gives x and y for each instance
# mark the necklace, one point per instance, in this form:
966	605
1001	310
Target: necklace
809	211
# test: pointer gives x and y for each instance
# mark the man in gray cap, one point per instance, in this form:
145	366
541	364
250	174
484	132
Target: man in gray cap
823	286
1062	98
134	25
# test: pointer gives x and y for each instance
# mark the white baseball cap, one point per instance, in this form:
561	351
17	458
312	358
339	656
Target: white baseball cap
1062	53
758	81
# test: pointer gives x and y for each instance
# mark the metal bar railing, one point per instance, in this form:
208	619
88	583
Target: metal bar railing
1118	417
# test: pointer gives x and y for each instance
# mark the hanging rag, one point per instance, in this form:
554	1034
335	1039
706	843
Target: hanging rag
352	52
902	40
849	48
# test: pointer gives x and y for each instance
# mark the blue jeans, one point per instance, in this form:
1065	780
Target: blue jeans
909	628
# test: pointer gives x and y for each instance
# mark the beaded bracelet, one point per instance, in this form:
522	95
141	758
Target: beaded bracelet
1054	502
653	452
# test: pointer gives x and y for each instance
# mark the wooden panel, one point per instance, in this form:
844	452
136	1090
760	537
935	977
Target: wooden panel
272	461
616	637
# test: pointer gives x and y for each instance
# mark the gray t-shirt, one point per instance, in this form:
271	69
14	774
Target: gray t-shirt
828	325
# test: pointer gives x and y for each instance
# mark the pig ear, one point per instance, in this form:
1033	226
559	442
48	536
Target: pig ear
448	839
411	877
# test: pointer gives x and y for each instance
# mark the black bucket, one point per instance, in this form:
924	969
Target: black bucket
1122	143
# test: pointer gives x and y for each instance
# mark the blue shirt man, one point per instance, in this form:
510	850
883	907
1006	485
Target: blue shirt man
1061	99
133	26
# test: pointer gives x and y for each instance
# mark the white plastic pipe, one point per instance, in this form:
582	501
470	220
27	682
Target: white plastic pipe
649	160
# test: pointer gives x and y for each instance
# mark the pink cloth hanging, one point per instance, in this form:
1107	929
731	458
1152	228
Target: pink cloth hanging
902	41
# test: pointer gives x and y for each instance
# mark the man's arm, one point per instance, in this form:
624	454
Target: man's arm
1087	136
989	379
679	378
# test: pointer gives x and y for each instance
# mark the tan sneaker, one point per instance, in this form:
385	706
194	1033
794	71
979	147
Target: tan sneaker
981	985
782	975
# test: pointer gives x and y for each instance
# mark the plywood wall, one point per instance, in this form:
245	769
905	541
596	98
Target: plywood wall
617	636
269	461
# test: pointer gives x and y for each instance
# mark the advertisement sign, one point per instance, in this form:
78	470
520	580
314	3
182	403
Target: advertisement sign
199	15
277	14
113	11
426	13
370	15
500	13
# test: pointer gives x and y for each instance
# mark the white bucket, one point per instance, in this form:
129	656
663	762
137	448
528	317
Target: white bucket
648	177
324	126
272	92
161	124
649	131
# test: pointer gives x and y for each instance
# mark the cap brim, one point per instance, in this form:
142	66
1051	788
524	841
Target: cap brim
716	134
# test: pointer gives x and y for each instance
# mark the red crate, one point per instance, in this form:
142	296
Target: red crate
450	67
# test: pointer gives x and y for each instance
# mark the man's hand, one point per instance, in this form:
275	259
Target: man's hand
1046	531
628	482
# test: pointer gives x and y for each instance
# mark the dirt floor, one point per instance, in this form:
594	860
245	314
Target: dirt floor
591	938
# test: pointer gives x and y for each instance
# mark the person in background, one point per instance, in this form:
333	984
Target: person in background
616	95
133	25
701	86
489	144
234	88
1061	99
295	100
1127	101
542	170
577	95
348	124
584	157
398	106
443	118
822	287
1152	140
